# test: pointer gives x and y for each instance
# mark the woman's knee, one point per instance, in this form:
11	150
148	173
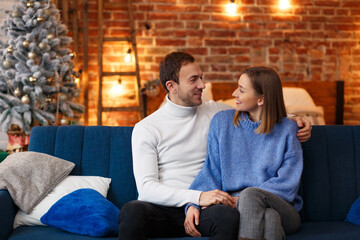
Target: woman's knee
250	197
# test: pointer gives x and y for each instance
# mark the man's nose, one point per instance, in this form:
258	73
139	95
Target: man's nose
201	84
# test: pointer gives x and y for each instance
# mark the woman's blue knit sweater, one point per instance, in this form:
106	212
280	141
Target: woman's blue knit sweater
239	158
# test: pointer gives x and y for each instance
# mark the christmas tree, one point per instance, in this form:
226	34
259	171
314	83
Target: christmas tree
37	80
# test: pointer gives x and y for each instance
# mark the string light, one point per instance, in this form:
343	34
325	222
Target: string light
231	8
284	4
128	56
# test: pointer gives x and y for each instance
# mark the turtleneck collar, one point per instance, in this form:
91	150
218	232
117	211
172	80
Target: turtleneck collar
246	122
177	110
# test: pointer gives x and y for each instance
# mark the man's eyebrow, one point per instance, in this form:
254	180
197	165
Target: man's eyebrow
195	75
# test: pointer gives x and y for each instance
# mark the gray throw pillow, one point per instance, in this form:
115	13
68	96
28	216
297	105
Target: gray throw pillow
30	176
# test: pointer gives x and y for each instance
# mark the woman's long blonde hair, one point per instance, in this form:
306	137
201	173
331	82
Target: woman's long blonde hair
266	82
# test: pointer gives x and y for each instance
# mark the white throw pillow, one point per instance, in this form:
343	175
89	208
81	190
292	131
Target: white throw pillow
68	185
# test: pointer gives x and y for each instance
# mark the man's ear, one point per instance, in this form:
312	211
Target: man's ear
171	86
261	101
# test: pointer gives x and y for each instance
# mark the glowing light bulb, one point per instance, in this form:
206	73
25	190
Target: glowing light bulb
231	8
117	88
284	4
128	56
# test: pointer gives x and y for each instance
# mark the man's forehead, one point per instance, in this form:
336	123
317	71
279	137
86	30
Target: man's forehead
190	68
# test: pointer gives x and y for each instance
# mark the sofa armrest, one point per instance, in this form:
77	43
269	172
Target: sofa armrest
8	211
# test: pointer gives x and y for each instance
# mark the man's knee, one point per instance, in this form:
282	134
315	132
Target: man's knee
224	215
133	211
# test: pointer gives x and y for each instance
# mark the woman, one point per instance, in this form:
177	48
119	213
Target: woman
254	155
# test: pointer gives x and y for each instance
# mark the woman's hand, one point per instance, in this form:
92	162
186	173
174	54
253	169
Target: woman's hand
192	219
235	199
216	197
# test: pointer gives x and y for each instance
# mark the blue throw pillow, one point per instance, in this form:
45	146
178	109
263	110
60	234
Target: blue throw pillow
353	215
85	212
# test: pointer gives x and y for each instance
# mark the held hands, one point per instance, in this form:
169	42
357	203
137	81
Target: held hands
192	216
206	199
304	132
216	197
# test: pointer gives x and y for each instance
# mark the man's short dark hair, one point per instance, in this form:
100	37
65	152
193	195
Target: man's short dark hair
169	67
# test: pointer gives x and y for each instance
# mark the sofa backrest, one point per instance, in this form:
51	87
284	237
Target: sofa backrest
330	182
95	150
331	176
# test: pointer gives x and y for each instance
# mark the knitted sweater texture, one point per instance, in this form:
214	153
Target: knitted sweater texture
239	158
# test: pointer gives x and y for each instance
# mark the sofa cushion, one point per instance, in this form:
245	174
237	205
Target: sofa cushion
80	145
30	176
84	212
51	233
68	185
326	231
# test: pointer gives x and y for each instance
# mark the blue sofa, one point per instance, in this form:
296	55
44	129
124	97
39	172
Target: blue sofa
330	182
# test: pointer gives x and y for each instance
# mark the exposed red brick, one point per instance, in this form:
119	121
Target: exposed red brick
274	50
170	42
314	19
274	59
224	34
195	51
326	3
253	43
169	24
237	50
342	12
214	8
162	16
178	8
194	17
218	50
257	18
192	25
350	4
209	42
329	11
194	41
242	59
218	68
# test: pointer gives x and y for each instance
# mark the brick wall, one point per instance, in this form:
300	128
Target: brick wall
315	40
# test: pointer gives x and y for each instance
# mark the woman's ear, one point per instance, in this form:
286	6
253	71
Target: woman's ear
261	101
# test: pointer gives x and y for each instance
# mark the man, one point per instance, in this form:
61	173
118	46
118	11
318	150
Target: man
169	148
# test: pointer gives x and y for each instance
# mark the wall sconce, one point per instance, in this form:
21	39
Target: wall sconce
284	4
127	58
231	8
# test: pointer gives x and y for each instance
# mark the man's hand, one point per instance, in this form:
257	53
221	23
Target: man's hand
304	132
216	197
192	216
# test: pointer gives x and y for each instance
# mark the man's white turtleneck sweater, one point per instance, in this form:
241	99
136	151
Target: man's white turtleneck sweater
169	148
